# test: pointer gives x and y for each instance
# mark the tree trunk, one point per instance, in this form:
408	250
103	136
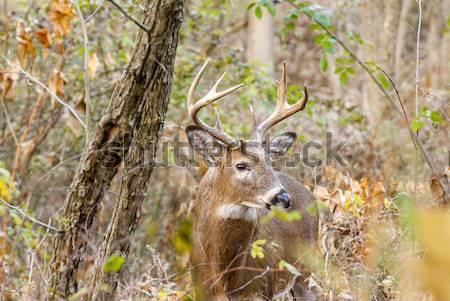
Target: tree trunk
401	38
139	161
260	40
137	107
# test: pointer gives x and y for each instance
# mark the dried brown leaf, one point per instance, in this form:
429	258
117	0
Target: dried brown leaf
25	44
61	14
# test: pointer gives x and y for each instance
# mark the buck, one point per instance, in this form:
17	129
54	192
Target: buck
239	187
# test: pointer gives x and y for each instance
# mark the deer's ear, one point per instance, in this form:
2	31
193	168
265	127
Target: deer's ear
279	145
209	148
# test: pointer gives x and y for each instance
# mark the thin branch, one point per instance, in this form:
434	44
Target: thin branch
419	27
8	122
135	21
253	117
52	93
249	282
398	98
87	95
91	16
32	219
397	93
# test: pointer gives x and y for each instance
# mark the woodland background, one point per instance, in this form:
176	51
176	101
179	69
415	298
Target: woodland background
385	224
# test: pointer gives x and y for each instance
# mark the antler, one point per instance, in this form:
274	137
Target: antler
282	109
194	107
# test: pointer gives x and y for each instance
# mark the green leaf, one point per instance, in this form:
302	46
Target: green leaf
339	70
343	78
283	264
290	26
283	33
288	216
258	12
271	8
384	81
182	239
350	70
113	263
323	63
251	5
312	209
435	116
425	111
417	124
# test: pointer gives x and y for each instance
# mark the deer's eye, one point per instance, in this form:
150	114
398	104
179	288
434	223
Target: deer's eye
241	166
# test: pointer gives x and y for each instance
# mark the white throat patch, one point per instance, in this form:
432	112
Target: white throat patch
233	211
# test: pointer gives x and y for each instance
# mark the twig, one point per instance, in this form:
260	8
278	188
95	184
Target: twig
87	95
52	93
91	16
253	116
32	259
249	282
8	122
32	219
135	21
419	26
397	93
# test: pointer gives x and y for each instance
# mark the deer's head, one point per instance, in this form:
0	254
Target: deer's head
240	169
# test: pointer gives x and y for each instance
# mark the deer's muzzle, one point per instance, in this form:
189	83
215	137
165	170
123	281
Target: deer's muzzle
281	199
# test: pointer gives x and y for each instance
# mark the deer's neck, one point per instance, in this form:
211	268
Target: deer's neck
225	229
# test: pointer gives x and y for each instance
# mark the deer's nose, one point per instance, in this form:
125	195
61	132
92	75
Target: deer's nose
282	199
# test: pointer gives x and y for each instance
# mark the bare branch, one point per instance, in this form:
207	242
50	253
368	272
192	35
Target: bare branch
52	93
32	219
8	122
91	16
135	21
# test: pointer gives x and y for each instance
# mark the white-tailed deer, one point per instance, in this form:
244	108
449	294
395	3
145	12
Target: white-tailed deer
239	188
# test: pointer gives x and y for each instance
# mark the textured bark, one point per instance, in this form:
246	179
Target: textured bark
166	17
137	107
391	15
401	38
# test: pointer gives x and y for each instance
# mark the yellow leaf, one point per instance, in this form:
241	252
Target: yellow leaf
387	203
5	192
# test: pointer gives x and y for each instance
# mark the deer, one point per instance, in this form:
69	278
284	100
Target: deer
239	187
